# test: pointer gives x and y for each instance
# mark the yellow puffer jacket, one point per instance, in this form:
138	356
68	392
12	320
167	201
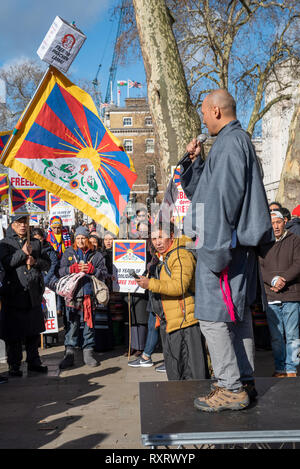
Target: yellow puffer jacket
176	291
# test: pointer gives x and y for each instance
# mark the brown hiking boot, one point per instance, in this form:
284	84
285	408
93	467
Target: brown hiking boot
291	375
276	374
249	387
222	399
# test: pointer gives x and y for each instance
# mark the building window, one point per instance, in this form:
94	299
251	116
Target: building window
128	145
127	121
148	120
150	171
149	145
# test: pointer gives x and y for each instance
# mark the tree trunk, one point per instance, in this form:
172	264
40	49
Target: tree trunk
289	187
175	118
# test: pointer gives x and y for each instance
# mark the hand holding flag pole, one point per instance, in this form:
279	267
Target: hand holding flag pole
28	249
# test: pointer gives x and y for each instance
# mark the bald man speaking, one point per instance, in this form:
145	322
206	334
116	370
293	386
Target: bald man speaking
236	227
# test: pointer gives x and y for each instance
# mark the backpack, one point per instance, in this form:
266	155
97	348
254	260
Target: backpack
101	291
66	286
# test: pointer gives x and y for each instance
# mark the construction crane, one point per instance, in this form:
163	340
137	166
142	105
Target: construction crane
113	67
115	58
96	85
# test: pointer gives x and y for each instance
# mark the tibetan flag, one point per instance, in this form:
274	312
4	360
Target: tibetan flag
4	185
26	201
176	177
33	220
53	200
130	251
63	147
4	136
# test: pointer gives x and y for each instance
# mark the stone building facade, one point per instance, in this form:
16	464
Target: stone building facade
132	125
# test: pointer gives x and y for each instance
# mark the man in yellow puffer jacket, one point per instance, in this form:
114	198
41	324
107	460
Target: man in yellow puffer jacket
171	293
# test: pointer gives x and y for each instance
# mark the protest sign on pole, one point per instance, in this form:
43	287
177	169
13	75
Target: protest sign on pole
61	44
25	197
4	189
62	209
50	312
182	202
34	220
127	255
4	221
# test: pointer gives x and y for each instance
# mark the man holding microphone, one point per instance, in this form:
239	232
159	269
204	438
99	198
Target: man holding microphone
228	186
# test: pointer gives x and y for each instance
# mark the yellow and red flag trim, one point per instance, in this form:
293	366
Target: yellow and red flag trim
4	137
61	145
4	186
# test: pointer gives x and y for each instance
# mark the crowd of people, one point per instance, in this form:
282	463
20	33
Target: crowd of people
33	258
165	313
208	304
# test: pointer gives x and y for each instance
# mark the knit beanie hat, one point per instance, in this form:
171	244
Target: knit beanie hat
296	211
55	221
82	231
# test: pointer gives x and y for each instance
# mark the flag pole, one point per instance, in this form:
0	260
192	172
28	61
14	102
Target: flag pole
28	242
118	92
19	123
128	88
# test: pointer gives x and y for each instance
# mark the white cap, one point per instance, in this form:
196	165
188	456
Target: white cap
277	214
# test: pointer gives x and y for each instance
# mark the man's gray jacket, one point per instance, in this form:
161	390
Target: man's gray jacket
236	224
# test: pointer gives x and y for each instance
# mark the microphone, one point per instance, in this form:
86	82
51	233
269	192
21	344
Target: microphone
200	139
133	274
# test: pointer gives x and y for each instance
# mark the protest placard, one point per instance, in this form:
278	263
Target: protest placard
49	308
127	255
61	44
182	202
62	209
25	197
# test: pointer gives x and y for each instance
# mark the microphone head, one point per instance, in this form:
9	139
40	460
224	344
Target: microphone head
202	138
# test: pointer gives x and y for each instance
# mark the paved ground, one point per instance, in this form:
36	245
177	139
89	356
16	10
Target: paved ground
81	407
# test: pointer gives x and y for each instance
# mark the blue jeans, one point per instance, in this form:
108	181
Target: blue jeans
72	336
152	336
283	320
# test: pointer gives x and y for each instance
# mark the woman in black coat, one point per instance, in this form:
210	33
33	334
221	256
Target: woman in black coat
23	288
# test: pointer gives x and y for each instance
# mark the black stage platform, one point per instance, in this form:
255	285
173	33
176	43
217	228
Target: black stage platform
168	417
